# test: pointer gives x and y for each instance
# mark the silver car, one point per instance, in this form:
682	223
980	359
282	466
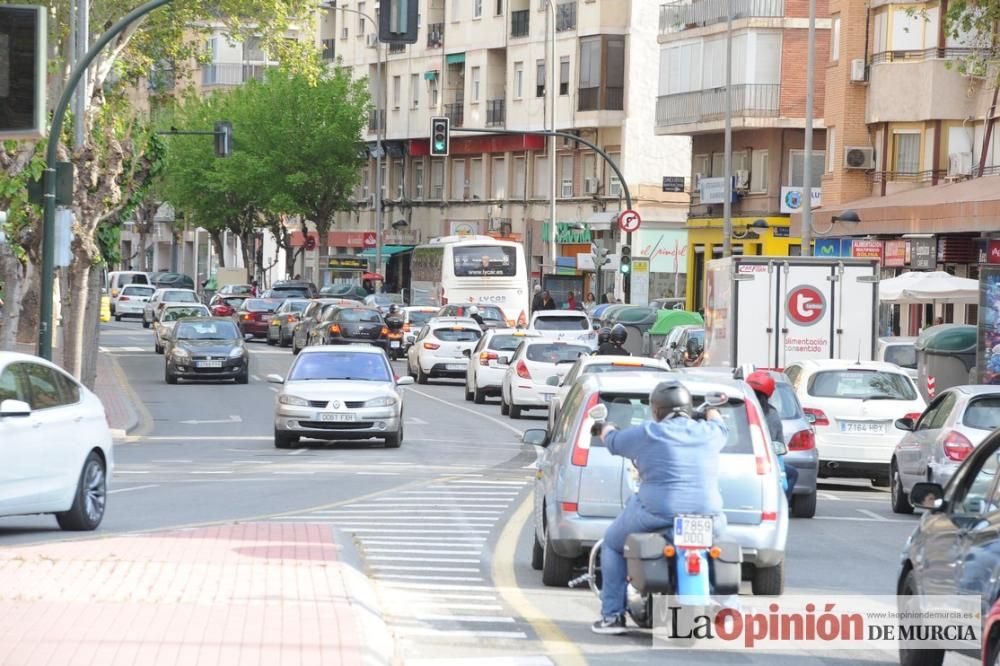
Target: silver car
339	392
934	446
580	487
899	350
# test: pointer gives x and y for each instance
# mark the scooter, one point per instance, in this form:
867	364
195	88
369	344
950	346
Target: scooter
684	562
395	337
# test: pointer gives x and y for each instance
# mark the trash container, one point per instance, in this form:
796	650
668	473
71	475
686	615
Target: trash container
946	355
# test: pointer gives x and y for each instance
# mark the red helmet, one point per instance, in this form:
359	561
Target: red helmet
761	381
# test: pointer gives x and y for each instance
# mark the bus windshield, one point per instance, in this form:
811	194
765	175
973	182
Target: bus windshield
485	260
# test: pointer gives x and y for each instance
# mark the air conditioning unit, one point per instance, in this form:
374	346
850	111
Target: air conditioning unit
960	164
615	188
859	157
742	179
591	184
371	40
859	70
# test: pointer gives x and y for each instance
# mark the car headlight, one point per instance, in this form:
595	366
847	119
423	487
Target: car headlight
180	352
383	401
237	352
293	400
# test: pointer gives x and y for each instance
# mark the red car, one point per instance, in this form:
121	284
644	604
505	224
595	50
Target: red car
254	315
225	306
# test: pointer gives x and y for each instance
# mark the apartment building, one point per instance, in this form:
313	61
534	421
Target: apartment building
484	64
912	147
767	101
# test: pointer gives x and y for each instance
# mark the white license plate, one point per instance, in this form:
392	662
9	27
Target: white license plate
547	397
394	344
208	364
863	427
455	366
693	531
336	417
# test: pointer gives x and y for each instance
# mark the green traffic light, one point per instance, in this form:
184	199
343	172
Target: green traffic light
626	268
439	146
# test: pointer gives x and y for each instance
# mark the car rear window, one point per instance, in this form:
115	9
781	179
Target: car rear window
136	290
505	342
295	306
420	318
905	356
135	278
261	305
983	413
180	297
457	334
785	401
555	353
359	315
292	292
557	323
861	384
234	301
173	314
602	368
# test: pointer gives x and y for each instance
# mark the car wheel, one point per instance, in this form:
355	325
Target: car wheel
479	396
90	498
504	407
295	348
900	502
168	376
556	569
283	440
537	555
395	440
804	506
421	377
515	411
768	581
118	317
244	376
283	340
469	395
917	657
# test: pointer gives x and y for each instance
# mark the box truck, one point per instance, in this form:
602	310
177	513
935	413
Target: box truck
771	311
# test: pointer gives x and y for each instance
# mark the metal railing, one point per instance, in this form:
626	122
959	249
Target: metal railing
496	112
329	49
591	99
520	23
677	16
396	49
435	35
748	100
566	16
920	55
231	74
374	117
908	176
455	113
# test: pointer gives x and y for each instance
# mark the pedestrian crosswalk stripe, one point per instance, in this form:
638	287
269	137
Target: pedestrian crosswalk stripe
452	579
393	567
393	558
459	633
467	618
401	551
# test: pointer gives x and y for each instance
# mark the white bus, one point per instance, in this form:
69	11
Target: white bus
473	270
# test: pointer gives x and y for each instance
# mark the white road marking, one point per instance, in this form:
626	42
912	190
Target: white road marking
408	551
212	471
415	421
254	462
294	473
446	560
499	493
423	541
128	490
458	633
377	473
406	567
864	520
453	579
379	530
173	461
255	378
455	606
467	618
483	661
476	484
233	418
382	513
429	598
871	514
438	590
350	524
828	496
131	471
297	452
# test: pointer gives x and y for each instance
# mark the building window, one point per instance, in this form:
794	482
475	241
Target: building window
477	8
542	178
906	152
434	93
499	8
539	78
520	178
758	171
602	80
382	174
414	90
418	179
397	85
796	164
564	75
457	192
252	51
399	165
718	165
365	189
476	179
614	184
474	85
831	149
361	19
835	38
700	168
437	179
499	189
518	80
566	176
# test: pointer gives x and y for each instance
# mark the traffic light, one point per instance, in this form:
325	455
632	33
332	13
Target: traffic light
440	128
23	71
625	263
397	22
223	139
601	257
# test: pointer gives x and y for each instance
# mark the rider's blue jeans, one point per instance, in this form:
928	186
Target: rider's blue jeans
634	518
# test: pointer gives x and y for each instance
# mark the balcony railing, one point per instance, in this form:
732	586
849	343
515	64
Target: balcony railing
676	16
455	113
231	74
329	49
589	99
435	35
496	112
920	55
748	100
374	116
520	22
908	176
565	16
396	49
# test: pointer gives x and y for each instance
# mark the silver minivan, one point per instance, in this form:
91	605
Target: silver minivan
580	487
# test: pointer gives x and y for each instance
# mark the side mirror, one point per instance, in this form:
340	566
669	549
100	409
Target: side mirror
598	412
535	437
553	380
14	408
780	448
406	380
903	424
467	353
926	495
275	379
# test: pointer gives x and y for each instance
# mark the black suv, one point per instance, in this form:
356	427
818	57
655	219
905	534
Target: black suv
292	289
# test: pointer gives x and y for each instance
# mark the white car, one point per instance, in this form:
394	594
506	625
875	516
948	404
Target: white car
526	382
899	350
58	455
592	365
489	361
443	348
566	325
167	318
131	300
852	406
163	296
414	318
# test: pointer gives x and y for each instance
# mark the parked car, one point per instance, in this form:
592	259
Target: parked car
347	324
223	305
414	318
131	301
565	325
901	351
590	365
689	344
935	444
244	290
207	348
526	382
254	315
161	297
284	321
167	318
443	348
118	279
342	392
352	291
852	405
292	289
489	360
491	314
580	487
58	454
311	317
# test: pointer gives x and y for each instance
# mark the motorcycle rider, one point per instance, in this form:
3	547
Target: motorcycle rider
677	458
474	314
394	318
613	346
763	385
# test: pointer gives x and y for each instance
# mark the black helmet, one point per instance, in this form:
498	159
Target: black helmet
671	396
619	335
393	309
603	335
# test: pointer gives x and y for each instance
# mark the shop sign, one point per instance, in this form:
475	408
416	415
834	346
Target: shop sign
463	228
871	249
666	249
348	262
792	197
565	234
923	253
993	252
895	253
713	190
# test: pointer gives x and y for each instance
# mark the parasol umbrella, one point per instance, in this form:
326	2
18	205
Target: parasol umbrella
372	276
929	287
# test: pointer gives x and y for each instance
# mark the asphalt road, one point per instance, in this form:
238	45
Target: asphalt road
443	521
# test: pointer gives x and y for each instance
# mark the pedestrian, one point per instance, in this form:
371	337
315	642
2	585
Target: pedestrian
571	303
298	276
253	288
609	297
589	300
548	303
536	300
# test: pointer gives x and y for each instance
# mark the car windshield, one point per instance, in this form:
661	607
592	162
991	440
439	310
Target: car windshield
291	292
207	330
387	299
983	413
905	356
785	402
457	334
180	297
360	315
602	368
134	290
555	353
294	306
505	342
420	317
558	323
173	314
340	365
861	385
261	305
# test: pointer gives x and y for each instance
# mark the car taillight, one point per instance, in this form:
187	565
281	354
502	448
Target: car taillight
803	440
572	507
486	357
956	446
581	448
769	515
820	417
292	319
693	564
431	345
385	331
335	329
761	452
247	317
522	370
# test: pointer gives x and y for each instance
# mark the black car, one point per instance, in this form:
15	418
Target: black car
348	325
312	317
163	280
292	289
351	291
207	348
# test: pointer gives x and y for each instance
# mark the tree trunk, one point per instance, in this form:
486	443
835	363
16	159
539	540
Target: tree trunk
27	325
92	328
74	324
143	239
324	251
12	274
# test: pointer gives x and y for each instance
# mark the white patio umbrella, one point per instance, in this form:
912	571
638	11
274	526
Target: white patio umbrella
932	287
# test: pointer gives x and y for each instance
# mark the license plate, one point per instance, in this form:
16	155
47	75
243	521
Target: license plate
336	417
693	531
863	427
208	364
547	397
394	344
455	366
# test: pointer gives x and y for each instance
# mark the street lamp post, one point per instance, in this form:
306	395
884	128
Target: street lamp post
550	57
807	147
727	203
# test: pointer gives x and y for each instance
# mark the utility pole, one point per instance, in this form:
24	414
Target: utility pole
807	147
550	84
81	28
727	204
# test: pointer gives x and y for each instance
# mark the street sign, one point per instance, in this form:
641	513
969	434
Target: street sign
310	243
370	240
640	281
673	184
348	262
629	221
23	71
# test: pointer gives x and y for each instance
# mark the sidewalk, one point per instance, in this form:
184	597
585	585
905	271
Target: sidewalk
253	593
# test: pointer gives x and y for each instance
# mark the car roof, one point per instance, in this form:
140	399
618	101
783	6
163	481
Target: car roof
543	340
290	283
445	321
976	389
362	348
560	313
175	306
519	332
817	365
633	360
639	382
7	357
421	308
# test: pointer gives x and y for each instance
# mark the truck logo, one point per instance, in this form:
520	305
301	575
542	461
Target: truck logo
805	305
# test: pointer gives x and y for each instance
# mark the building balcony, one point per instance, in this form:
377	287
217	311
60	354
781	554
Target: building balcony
329	49
435	35
496	112
703	106
678	16
917	86
520	23
455	113
231	74
396	49
376	117
611	98
565	16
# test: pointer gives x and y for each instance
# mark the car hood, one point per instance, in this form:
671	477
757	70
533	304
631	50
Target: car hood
345	390
208	346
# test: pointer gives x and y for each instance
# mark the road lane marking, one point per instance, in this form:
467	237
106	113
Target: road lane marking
452	405
476	484
382	513
255	378
294	473
405	551
445	560
864	520
297	452
535	660
377	473
173	461
453	606
128	490
454	579
458	633
406	567
254	462
351	524
130	471
432	598
444	542
378	530
467	618
417	421
828	496
439	590
199	438
872	514
212	471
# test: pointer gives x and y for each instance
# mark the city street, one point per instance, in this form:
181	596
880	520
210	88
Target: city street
442	524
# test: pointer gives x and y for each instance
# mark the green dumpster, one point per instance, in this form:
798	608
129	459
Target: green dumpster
946	355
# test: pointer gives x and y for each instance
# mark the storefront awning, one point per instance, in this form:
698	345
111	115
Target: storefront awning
387	250
455	58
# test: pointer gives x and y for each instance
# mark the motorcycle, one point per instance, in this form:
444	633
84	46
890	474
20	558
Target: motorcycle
395	337
684	561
